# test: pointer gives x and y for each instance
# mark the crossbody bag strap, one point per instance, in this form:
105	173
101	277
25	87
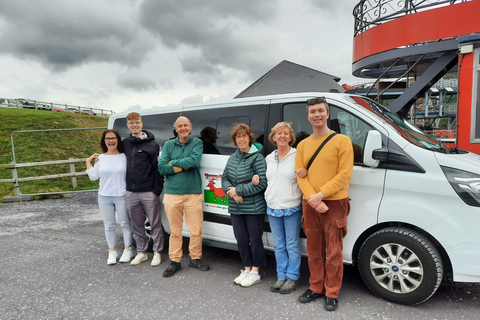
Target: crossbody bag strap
320	148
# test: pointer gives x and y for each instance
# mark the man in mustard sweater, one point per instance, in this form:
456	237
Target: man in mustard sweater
325	203
180	163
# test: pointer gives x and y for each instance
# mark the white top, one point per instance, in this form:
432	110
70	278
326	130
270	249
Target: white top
112	171
282	190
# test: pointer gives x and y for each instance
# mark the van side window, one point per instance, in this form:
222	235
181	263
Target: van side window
213	126
340	121
161	125
224	127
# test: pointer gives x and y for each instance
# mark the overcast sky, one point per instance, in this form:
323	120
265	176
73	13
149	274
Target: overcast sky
127	55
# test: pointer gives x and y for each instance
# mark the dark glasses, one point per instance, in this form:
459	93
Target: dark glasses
315	101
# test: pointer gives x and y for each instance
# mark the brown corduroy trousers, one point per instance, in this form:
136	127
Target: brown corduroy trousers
325	233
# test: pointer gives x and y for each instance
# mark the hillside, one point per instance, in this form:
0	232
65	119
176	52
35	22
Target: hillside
47	146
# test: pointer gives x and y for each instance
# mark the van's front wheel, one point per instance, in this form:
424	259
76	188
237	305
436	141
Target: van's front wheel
399	265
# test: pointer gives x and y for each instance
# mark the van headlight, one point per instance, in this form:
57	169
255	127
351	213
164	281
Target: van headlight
466	185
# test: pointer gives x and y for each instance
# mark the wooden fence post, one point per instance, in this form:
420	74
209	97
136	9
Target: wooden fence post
74	178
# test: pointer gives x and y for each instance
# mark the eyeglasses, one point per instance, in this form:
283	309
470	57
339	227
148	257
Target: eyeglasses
316	100
111	139
134	122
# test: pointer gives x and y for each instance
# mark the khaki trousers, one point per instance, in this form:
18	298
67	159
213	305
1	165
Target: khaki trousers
175	206
325	233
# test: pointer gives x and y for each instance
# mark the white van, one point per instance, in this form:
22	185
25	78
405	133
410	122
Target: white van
415	205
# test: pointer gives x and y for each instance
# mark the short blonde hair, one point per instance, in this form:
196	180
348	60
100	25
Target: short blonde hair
134	116
242	128
277	128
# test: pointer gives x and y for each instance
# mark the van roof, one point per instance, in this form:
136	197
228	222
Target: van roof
233	102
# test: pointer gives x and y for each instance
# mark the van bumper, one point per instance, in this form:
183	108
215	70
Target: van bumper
467	258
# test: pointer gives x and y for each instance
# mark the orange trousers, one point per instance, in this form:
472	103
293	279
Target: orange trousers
325	233
175	207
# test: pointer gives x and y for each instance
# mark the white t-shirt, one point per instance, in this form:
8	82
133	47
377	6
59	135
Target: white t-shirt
112	170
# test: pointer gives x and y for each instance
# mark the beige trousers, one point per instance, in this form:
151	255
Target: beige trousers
175	206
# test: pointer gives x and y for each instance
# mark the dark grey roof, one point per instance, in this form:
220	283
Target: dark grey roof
289	77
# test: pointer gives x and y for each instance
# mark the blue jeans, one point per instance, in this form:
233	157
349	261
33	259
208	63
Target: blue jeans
286	234
108	206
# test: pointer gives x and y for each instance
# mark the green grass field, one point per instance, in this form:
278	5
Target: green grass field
47	146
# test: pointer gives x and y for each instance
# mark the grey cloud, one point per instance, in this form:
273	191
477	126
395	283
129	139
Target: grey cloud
194	99
211	28
138	83
337	7
62	34
133	108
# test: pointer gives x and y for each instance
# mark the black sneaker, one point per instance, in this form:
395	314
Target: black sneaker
172	268
197	263
331	304
309	296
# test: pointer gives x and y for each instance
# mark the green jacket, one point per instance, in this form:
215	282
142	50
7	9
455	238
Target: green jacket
186	157
238	173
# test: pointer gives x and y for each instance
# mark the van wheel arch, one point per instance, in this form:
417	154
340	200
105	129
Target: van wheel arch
400	265
447	264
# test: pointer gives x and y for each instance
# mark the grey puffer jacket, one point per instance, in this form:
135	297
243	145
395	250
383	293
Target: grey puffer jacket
238	173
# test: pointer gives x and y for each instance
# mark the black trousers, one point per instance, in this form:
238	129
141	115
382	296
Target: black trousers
248	230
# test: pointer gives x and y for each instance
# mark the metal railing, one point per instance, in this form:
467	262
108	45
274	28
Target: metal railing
370	13
52	106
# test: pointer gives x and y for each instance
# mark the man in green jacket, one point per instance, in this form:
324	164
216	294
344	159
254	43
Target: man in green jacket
180	163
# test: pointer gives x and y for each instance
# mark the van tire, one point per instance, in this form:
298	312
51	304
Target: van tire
410	278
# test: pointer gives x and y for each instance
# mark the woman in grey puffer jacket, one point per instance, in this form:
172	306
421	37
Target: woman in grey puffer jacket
246	203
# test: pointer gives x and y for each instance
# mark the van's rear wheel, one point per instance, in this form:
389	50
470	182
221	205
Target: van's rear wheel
401	266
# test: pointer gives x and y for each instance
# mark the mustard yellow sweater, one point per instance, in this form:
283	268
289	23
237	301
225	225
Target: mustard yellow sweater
331	170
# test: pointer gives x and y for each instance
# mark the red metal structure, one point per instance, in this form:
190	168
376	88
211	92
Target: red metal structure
422	41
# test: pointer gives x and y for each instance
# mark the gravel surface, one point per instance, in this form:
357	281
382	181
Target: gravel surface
54	267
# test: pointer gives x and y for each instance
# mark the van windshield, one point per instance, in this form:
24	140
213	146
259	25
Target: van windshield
406	129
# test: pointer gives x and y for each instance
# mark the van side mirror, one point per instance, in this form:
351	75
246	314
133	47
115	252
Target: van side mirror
372	142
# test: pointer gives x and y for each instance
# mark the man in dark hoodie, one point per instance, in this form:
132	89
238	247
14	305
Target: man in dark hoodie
144	185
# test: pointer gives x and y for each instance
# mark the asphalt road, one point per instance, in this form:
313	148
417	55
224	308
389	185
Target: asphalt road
53	266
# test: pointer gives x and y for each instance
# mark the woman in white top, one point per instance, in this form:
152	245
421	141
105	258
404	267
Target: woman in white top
284	208
111	168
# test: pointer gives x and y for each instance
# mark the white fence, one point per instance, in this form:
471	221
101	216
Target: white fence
51	106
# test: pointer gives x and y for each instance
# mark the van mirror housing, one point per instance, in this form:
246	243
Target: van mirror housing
372	143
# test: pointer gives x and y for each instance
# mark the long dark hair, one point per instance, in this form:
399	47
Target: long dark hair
119	140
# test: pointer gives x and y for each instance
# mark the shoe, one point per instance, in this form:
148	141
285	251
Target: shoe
331	304
309	296
197	263
172	268
112	257
277	285
289	286
239	279
250	280
126	255
157	259
139	258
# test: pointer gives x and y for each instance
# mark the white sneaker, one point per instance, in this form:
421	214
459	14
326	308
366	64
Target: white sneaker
112	257
239	279
157	259
127	255
139	258
250	280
